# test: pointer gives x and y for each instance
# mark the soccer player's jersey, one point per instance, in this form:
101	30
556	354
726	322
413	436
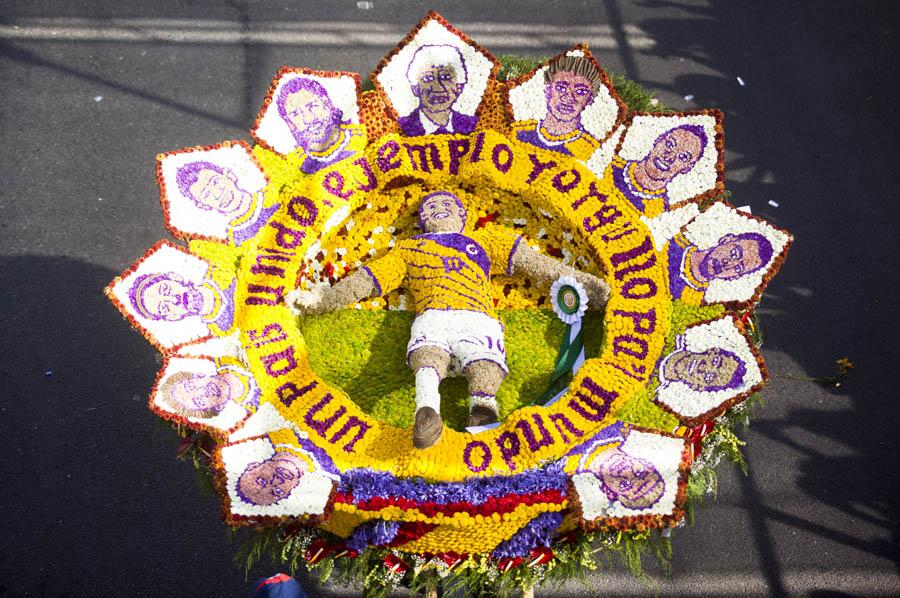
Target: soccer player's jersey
447	270
351	141
682	282
650	203
579	143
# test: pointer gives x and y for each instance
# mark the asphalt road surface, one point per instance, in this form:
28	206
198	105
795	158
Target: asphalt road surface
93	500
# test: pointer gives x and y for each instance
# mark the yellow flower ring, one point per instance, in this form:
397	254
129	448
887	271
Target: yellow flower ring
637	316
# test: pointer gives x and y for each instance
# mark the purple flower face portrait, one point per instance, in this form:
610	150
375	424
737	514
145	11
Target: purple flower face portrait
442	211
212	187
634	482
200	395
567	95
437	76
708	371
732	257
307	109
270	481
674	152
571	82
165	297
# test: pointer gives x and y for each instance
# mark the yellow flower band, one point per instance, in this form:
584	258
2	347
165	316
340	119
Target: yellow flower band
636	322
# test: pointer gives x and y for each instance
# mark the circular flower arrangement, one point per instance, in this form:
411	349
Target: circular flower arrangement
309	421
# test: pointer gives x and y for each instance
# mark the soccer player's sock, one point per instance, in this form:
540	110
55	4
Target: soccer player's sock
479	399
427	391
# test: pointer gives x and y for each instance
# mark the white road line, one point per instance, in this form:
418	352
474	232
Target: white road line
858	582
310	33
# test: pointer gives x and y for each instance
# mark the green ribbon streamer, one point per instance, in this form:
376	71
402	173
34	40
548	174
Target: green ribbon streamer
569	352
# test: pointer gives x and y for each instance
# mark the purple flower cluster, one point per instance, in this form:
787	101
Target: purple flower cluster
366	484
537	532
320	455
613	433
372	533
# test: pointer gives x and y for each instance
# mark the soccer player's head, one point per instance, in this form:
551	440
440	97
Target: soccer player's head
267	482
437	76
196	395
442	212
735	256
165	296
571	84
675	152
306	107
212	187
706	371
634	482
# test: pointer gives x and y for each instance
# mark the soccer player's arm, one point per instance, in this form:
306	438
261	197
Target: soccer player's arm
375	278
523	260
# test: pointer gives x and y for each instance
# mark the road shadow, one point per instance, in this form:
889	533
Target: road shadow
805	128
94	498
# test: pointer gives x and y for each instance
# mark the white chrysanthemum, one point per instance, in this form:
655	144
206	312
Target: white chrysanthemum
666	225
218	346
603	155
266	419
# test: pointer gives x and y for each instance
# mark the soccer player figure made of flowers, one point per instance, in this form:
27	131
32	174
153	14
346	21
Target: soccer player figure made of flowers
448	272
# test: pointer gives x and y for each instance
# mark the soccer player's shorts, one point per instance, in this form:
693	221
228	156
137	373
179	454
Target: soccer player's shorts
466	335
